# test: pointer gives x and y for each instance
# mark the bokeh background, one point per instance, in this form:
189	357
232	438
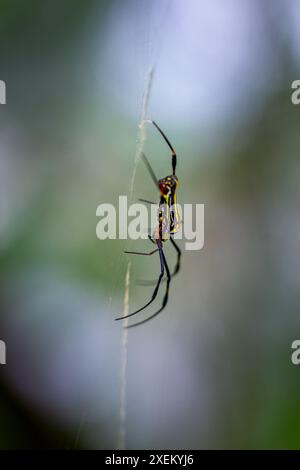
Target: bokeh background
214	369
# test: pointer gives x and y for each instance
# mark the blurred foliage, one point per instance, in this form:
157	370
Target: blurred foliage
67	145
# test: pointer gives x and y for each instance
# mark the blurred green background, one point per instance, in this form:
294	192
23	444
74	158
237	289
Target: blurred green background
214	369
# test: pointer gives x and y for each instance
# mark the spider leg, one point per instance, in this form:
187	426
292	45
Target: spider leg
148	202
162	270
151	239
149	168
141	253
174	156
176	269
165	299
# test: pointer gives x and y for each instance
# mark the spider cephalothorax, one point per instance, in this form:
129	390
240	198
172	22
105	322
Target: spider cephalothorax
167	186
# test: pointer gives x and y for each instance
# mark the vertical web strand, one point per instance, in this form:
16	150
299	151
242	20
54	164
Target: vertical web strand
124	358
140	142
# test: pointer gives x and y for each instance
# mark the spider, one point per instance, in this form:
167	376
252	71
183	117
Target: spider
168	225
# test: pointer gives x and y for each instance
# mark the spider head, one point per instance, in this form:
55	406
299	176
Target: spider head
168	186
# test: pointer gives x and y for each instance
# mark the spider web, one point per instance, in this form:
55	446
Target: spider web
140	142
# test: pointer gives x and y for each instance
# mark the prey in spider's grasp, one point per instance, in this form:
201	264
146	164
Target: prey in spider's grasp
168	225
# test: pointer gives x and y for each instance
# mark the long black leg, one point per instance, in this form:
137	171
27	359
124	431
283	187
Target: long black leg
149	168
165	299
177	266
162	270
174	157
141	253
176	269
148	202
